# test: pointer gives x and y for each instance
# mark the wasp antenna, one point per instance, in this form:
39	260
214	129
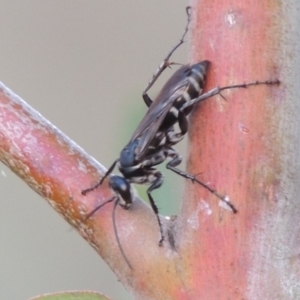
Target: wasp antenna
117	236
98	207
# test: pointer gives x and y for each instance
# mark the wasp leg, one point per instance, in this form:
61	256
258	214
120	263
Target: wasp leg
173	137
155	185
177	160
84	192
218	90
183	122
147	99
153	160
166	62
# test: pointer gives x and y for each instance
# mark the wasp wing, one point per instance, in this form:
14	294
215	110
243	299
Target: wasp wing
158	110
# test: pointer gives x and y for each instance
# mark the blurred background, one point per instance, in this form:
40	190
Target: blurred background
83	65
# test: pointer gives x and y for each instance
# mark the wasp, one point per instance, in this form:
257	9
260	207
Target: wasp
152	142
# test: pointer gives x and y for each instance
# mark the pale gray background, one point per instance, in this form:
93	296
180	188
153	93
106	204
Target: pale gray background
83	65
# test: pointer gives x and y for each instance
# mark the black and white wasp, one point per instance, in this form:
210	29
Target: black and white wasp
153	140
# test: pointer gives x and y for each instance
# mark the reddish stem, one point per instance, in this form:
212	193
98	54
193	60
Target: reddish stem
239	145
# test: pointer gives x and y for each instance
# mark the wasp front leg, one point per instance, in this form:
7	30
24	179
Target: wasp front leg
84	192
156	178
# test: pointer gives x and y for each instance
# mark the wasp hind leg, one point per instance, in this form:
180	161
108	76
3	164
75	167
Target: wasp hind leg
177	160
218	90
148	101
165	64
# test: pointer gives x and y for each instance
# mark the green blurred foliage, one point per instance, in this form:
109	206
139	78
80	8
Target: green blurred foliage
72	296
